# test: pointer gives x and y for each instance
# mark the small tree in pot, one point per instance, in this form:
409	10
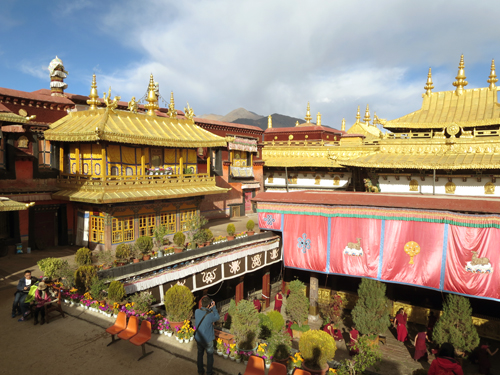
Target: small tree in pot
179	303
371	313
244	324
297	305
368	355
317	347
179	240
280	344
230	232
83	257
145	245
123	253
250	226
116	291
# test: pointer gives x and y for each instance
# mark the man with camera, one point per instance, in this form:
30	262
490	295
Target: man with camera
204	335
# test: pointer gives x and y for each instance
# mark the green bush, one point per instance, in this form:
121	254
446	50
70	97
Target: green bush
277	321
280	344
265	325
317	347
179	302
297	304
368	355
144	244
52	267
98	288
371	312
84	276
105	257
245	324
123	251
209	235
83	257
230	229
250	225
142	301
116	291
179	239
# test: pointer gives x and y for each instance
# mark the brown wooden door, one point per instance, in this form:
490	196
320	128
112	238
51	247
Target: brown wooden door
45	232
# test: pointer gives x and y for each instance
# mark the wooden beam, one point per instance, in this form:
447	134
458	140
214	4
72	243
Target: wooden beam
77	159
104	162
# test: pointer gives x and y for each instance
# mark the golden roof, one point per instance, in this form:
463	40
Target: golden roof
369	131
114	125
7	204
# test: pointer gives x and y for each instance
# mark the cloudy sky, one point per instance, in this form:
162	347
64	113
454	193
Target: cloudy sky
266	56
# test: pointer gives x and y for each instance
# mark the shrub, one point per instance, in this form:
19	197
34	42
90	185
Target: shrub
84	276
265	325
105	257
230	229
179	239
194	226
142	301
52	267
277	321
144	244
179	302
83	257
297	304
116	291
368	355
209	236
250	225
123	251
371	312
332	312
455	325
159	233
98	288
317	347
67	274
245	324
280	344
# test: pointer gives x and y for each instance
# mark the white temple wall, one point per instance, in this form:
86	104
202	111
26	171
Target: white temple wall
308	180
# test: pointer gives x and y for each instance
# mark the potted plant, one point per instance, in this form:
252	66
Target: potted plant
209	236
297	308
83	257
280	344
142	301
179	239
371	312
98	289
367	356
52	267
83	277
179	302
116	291
230	232
317	347
136	254
159	234
195	230
145	245
245	325
250	226
122	253
106	258
220	346
331	312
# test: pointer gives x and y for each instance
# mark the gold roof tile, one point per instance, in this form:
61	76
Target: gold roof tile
7	204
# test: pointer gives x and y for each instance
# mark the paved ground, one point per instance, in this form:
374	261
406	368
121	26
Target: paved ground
77	343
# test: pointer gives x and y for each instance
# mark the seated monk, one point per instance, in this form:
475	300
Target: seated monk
332	331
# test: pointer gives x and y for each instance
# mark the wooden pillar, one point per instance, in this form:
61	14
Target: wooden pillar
251	160
239	290
77	159
61	158
143	162
209	152
313	295
104	163
108	234
181	164
266	287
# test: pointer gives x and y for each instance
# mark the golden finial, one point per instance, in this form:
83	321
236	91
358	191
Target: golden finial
367	119
111	104
460	82
132	105
152	99
358	116
493	76
428	87
342	127
297	123
188	112
269	122
172	113
93	102
318	119
308	117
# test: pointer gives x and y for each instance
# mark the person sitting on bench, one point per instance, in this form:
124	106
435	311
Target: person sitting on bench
42	296
23	287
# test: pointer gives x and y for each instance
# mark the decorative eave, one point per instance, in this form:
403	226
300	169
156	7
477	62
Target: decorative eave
7	204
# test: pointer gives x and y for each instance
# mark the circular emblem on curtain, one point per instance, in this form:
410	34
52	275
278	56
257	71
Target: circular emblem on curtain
412	249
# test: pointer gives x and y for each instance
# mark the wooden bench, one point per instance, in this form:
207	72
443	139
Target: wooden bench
226	338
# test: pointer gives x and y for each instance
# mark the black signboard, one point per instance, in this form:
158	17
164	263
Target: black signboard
234	268
188	281
256	261
273	255
208	277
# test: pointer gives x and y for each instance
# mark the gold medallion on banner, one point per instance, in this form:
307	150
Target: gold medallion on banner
412	248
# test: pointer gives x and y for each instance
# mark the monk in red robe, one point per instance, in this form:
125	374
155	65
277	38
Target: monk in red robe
332	331
353	334
420	346
257	304
278	302
289	329
400	324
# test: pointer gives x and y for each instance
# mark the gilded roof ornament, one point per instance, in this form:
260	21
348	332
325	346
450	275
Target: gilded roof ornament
172	113
132	105
188	112
308	114
428	87
111	104
367	118
358	116
493	77
297	123
342	127
151	98
460	82
93	102
269	122
318	119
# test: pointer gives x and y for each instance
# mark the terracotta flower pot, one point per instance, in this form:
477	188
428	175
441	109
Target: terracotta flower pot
322	371
136	260
107	267
250	232
174	325
178	250
230	238
146	257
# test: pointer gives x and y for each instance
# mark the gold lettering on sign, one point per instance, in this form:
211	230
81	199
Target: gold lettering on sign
413	185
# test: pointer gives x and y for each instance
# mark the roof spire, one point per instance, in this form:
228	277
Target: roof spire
152	99
318	119
493	76
172	112
428	87
460	82
342	127
93	101
367	119
358	116
308	114
269	122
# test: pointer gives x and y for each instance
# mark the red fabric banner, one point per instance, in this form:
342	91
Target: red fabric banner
355	246
477	277
269	221
413	252
305	242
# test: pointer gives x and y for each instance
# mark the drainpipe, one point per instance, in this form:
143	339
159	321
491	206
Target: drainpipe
434	182
286	179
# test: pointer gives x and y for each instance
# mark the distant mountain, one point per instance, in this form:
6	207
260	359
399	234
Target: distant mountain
279	121
240	113
211	116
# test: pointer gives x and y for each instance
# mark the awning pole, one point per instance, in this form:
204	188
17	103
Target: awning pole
434	182
286	179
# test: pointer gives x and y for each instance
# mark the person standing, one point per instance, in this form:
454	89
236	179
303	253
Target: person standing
445	362
484	359
400	324
205	317
257	304
420	345
23	288
278	302
353	334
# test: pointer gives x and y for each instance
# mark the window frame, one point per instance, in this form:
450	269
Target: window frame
147	224
97	231
165	221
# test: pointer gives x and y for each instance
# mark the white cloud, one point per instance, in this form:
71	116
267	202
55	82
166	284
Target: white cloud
35	69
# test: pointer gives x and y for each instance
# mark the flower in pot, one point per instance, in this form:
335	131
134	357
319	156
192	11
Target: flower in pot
317	347
220	346
230	231
179	302
250	226
232	351
179	239
245	324
122	253
145	245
